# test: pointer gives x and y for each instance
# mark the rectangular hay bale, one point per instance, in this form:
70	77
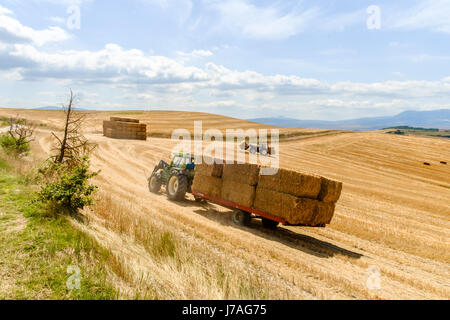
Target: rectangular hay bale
298	210
239	193
211	186
268	201
118	119
330	190
295	210
214	170
324	214
245	173
292	182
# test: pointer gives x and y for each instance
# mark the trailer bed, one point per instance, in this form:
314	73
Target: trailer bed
233	205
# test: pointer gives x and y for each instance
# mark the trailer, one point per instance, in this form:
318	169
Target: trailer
243	215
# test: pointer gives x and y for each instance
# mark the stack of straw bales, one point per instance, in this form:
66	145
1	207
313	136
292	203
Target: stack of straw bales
239	183
298	198
208	179
124	128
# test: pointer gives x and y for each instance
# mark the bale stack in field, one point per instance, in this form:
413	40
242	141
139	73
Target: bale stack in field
208	179
298	198
239	183
124	128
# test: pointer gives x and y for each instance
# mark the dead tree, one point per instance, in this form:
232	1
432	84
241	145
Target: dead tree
20	131
72	145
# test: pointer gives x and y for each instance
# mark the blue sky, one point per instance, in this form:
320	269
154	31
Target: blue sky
328	60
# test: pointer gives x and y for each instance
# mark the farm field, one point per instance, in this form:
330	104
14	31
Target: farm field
393	217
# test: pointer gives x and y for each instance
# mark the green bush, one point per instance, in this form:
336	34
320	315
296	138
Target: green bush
69	190
12	146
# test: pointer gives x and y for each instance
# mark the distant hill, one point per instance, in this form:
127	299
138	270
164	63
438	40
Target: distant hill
56	108
428	119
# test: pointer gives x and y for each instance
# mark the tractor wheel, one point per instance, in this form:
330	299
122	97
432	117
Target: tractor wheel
154	183
177	186
269	224
241	218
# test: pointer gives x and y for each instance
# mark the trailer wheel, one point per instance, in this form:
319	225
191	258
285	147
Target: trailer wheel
241	218
269	224
198	199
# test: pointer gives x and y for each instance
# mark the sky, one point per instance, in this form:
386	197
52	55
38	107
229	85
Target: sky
321	60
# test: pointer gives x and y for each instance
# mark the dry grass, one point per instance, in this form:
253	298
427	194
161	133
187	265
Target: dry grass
175	268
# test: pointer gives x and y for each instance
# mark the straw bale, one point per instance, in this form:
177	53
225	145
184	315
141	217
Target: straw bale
330	190
239	193
292	182
211	186
242	173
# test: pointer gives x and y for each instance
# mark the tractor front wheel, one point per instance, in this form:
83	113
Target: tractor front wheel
154	183
177	186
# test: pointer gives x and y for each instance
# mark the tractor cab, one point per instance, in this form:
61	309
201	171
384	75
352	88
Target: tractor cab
183	161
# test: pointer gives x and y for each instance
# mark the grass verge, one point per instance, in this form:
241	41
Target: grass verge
39	255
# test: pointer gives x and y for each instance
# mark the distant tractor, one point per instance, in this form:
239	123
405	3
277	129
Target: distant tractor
177	177
263	149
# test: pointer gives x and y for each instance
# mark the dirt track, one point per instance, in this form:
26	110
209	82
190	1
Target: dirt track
394	214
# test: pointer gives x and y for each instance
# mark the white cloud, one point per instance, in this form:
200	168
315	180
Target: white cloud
12	31
113	64
194	54
4	11
272	22
426	14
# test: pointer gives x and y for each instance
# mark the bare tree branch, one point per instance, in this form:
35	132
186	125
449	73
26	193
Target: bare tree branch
20	130
72	145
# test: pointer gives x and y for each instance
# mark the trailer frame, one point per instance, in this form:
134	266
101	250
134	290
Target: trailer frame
232	205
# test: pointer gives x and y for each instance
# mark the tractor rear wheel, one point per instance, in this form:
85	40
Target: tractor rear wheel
154	183
241	218
177	186
269	224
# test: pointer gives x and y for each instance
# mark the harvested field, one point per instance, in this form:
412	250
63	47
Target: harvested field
393	214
